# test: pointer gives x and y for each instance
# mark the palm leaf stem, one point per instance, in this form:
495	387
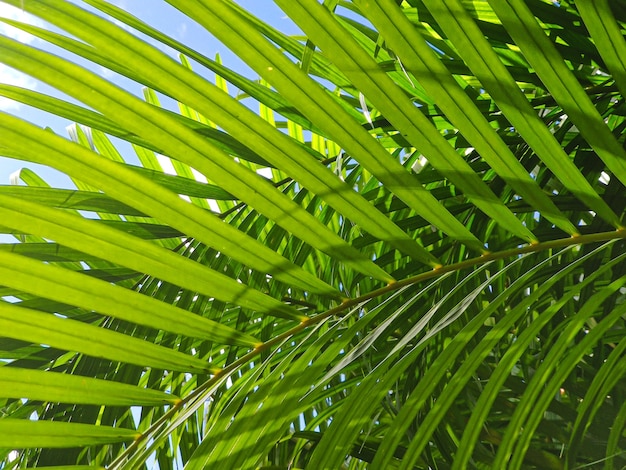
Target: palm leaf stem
347	304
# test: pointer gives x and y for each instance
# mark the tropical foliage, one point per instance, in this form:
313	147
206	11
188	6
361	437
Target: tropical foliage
401	247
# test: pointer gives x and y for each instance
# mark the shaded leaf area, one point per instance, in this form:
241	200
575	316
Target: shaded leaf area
398	244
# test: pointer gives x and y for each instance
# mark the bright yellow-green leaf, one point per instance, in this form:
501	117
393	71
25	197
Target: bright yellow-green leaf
66	388
24	434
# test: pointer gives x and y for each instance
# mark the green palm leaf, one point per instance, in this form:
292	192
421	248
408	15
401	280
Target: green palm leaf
401	246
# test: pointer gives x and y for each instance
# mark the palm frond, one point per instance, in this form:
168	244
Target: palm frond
400	246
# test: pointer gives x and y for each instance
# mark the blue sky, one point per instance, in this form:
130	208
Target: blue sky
158	14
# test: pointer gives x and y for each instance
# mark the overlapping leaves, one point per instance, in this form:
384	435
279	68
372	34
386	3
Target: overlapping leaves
348	281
